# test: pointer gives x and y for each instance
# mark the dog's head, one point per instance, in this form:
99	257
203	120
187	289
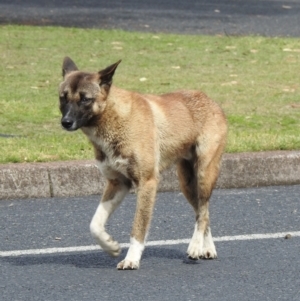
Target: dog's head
83	95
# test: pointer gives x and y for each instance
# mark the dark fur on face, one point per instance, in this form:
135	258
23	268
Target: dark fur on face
82	94
76	114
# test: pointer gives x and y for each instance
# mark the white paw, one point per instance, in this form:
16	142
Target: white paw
111	247
201	249
128	265
209	249
194	251
107	243
133	257
209	253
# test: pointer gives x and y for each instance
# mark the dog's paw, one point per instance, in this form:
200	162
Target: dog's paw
108	245
209	249
113	249
128	265
194	252
209	253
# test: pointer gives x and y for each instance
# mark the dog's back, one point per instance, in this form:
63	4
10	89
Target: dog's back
176	122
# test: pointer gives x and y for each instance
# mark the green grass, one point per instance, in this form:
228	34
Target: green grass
256	80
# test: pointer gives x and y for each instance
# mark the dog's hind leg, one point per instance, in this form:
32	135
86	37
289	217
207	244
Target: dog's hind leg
197	179
145	202
113	195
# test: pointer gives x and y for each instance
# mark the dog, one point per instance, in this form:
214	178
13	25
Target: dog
135	137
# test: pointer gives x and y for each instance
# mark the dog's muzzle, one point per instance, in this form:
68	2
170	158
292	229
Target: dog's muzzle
68	124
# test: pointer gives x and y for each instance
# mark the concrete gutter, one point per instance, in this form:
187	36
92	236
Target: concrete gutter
79	178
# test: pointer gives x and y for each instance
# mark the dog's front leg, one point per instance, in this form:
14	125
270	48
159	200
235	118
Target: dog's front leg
145	203
113	195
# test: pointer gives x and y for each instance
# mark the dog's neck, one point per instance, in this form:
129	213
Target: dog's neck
118	109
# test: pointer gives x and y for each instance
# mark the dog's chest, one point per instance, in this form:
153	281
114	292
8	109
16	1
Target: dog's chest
111	163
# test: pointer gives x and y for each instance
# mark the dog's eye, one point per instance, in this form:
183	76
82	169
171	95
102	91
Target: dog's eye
62	99
84	99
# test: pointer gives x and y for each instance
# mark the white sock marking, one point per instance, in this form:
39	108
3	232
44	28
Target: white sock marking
135	250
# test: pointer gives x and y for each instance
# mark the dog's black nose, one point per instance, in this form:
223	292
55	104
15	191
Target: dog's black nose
67	123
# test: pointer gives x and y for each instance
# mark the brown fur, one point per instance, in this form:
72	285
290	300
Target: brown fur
136	136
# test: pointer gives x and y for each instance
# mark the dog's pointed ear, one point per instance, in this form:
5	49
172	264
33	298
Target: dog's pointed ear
68	66
106	75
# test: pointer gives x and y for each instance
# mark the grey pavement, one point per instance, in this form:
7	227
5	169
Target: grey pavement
261	269
226	17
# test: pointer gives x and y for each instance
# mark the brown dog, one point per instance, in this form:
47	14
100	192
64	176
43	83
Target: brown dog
135	137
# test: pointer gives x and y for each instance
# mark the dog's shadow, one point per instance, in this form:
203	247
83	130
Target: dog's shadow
93	259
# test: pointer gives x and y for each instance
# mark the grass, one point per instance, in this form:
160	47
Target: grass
255	79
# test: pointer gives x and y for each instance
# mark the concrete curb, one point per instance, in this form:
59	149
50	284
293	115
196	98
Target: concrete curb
78	178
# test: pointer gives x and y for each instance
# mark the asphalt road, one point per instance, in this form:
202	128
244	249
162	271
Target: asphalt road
246	269
230	17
